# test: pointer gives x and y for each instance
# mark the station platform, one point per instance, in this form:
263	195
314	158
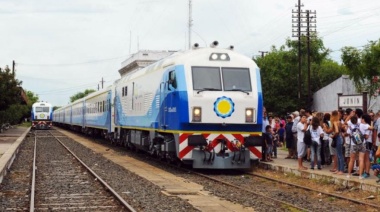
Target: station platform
10	141
291	166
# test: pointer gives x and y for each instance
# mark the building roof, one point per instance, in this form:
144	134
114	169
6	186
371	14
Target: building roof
141	59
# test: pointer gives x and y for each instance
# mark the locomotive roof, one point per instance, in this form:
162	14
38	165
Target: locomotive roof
182	58
36	104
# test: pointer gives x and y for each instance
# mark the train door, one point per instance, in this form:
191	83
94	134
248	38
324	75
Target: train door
83	114
168	85
163	108
109	112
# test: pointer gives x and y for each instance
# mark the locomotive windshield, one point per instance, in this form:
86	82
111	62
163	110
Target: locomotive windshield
206	78
236	79
42	109
209	78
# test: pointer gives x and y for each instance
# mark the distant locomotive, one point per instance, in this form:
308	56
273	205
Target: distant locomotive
201	107
41	115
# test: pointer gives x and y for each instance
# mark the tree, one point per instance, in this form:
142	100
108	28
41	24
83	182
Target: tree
11	109
9	89
363	66
279	74
80	95
33	98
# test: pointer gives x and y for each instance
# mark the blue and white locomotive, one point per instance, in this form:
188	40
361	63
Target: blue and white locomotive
201	107
42	115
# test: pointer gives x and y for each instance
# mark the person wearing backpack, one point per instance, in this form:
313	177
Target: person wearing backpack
316	132
355	131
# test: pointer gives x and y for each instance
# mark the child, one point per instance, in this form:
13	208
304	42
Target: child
269	141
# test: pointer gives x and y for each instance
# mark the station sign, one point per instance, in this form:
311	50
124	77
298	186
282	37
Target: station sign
350	101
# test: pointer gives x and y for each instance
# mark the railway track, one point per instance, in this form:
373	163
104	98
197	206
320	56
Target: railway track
281	196
61	181
356	201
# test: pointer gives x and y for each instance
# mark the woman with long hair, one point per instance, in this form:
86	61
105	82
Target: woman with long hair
336	135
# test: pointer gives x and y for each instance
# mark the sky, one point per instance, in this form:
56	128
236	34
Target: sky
63	47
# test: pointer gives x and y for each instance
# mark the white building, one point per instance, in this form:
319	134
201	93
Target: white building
326	99
142	59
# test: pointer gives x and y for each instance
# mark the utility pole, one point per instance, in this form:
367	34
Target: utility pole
298	25
13	67
190	22
263	53
310	21
102	82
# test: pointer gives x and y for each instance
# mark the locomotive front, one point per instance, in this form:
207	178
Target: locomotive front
41	115
224	103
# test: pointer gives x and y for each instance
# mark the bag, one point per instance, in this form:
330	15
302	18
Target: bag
357	136
307	137
333	143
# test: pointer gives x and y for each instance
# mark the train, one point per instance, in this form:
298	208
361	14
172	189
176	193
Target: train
201	107
42	115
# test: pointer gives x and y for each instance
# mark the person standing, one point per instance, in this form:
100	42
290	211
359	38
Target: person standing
336	135
367	125
296	119
301	146
263	147
268	139
356	149
289	137
316	132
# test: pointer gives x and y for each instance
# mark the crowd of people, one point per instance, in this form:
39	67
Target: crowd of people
347	140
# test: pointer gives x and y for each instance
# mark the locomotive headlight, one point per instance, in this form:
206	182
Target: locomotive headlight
197	114
214	56
249	115
223	57
219	57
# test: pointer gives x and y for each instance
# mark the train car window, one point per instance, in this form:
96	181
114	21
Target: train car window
126	90
206	78
122	91
237	79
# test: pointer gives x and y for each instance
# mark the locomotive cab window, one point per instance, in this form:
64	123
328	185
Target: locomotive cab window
236	79
172	81
206	78
42	109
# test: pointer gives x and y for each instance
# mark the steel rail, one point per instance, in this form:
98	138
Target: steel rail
32	190
244	189
315	190
112	191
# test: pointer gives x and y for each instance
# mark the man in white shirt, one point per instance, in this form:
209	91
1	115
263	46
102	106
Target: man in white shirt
296	119
301	146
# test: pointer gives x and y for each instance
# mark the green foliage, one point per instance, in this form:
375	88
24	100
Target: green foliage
32	98
10	89
363	66
11	109
14	114
80	95
279	74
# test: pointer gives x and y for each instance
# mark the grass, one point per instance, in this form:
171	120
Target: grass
25	124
